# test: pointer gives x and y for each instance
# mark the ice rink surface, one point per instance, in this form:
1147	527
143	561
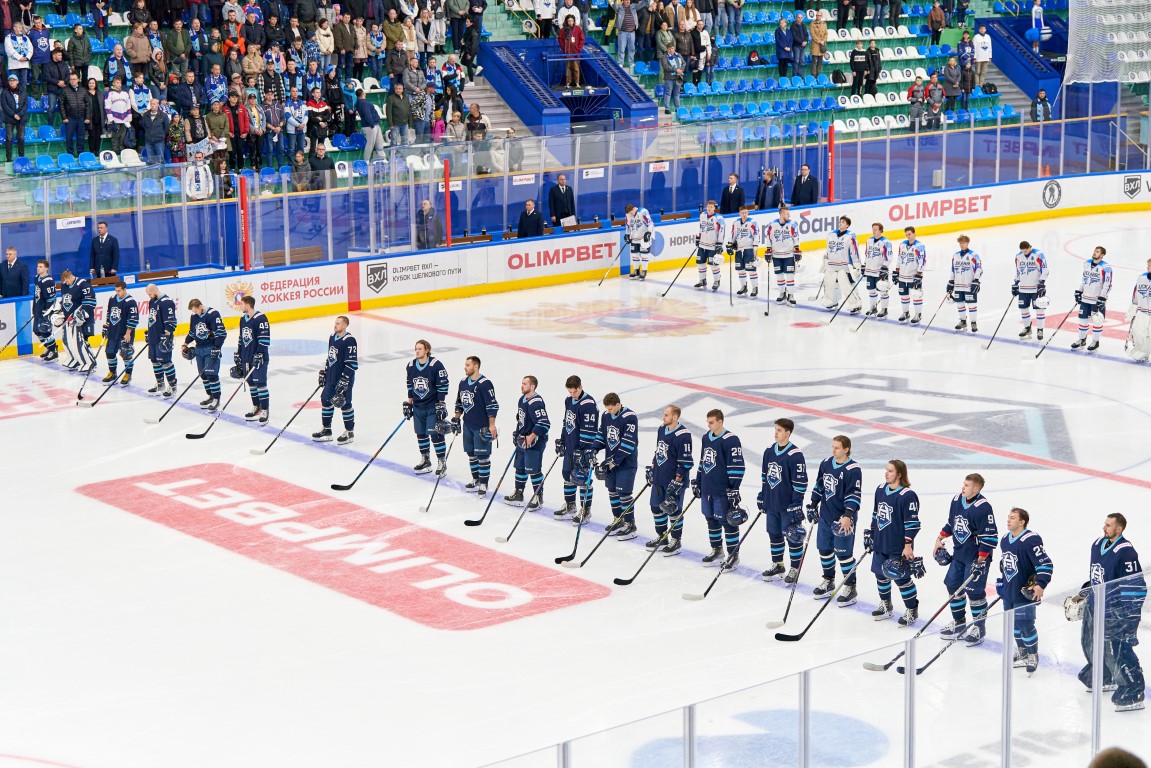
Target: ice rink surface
183	604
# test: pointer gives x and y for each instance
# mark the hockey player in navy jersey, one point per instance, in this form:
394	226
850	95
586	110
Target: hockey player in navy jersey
782	238
475	414
891	539
253	354
784	480
618	438
669	471
836	494
910	262
1115	562
426	406
120	320
206	331
1092	299
709	245
78	302
531	439
963	285
1031	272
161	337
43	308
575	444
1026	570
877	270
971	524
338	378
716	485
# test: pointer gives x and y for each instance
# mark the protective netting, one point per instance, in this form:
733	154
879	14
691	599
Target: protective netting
1110	41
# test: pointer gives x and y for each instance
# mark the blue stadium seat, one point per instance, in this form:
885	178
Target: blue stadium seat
127	188
725	111
823	81
47	133
757	39
774	132
360	169
72	19
35	105
357	141
660	91
340	142
1009	111
917	10
172	187
765	108
106	191
38	196
54	20
809	81
792	105
62	195
710	112
985	114
758	133
697	114
703	89
752	109
946	50
934	50
805	105
68	163
784	84
744	39
788	130
82	193
45	164
151	188
682	114
779	107
24	166
689	89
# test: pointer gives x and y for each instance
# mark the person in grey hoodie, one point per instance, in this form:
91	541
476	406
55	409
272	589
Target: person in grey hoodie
951	77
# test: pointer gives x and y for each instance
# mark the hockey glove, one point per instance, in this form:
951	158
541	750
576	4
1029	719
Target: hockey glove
1078	297
80	316
999	586
884	275
646	237
917	283
216	353
697	238
733	497
951	286
943	557
456	427
759	501
601	470
674	489
105	329
648	474
1041	291
236	372
258	360
342	385
867	541
322	378
441	411
798	257
187	352
409	411
975	288
559	446
627	237
795	513
730	248
918	571
813	511
126	352
695	489
165	342
978	570
1015	288
1101	307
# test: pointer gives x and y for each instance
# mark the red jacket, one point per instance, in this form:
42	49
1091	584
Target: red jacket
571	39
244	127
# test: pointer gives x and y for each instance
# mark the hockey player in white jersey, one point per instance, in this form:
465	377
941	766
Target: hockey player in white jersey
709	245
742	241
1030	286
638	234
1092	299
910	262
963	287
782	240
842	270
1139	317
877	270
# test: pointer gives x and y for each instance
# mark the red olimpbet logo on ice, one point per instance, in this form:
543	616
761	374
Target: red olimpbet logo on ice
429	577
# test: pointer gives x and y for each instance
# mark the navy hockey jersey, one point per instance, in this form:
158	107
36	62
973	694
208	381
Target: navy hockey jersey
343	356
255	336
972	524
1023	557
721	465
1116	563
894	519
839	490
532	416
581	423
206	330
618	436
123	315
427	382
476	400
79	294
44	294
162	319
784	477
672	455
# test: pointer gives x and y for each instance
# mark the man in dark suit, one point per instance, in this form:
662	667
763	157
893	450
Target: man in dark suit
805	191
732	198
14	277
561	201
769	193
531	223
105	261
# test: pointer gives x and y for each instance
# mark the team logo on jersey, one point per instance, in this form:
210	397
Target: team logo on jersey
467	399
569	421
961	529
66	301
660	452
114	315
707	461
884	515
520	417
332	355
235	292
245	334
1097	574
830	484
774	474
201	331
421	386
152	313
612	437
1010	565
613	320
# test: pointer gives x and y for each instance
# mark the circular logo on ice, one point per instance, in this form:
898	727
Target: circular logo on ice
1052	194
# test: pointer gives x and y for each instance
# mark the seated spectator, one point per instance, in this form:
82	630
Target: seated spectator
323	169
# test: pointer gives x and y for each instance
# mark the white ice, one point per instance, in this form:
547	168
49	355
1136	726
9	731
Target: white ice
129	644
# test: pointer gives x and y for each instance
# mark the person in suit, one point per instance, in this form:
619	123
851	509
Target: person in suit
105	260
769	193
14	277
805	191
531	223
561	201
732	198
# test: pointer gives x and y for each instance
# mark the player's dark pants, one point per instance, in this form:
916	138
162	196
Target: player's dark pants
112	350
907	589
1090	319
568	471
702	257
976	592
620	482
162	366
658	494
258	383
1120	664
208	366
424	422
1026	635
831	545
873	291
966	304
43	330
777	521
909	296
327	410
479	453
719	530
529	465
745	267
1026	302
784	273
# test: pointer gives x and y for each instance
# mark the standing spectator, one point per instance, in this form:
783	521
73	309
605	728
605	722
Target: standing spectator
325	41
393	29
477	121
561	201
18	48
818	34
345	42
197	139
571	43
41	38
860	13
626	23
874	67
514	150
706	11
841	18
1036	23
545	16
319	119
74	111
187	93
274	152
79	52
879	13
663	38
471	49
117	64
948	12
965	49
672	65
96	110
322	167
55	78
476	10
858	62
935	92
799	39
783	48
684	44
935	22
177	139
648	16
117	113
369	126
425	37
408	29
457	12
177	48
429	229
568	9
398	113
219	130
982	54
296	122
197	47
15	280
722	26
256	130
690	13
1040	107
301	172
138	48
951	77
705	53
531	223
916	99
731	200
397	61
414	78
805	191
966	84
104	253
14	106
769	192
333	93
155	126
423	103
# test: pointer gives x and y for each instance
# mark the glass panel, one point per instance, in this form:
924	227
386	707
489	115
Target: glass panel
308	220
654	741
544	758
755	727
1122	610
1029	149
959	149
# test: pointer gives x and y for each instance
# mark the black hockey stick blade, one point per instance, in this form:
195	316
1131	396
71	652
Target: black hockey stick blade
579	528
221	409
873	667
535	497
794	584
658	544
724	565
348	487
495	492
447	455
786	638
608	531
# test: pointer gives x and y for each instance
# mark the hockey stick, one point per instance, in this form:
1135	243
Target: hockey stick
610	266
830	599
943	650
659	542
579	527
1052	337
873	667
348	487
439	477
150	420
988	344
535	494
88	373
17	334
731	280
608	531
727	560
794	584
303	405
847	298
946	296
681	269
108	388
220	410
488	508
